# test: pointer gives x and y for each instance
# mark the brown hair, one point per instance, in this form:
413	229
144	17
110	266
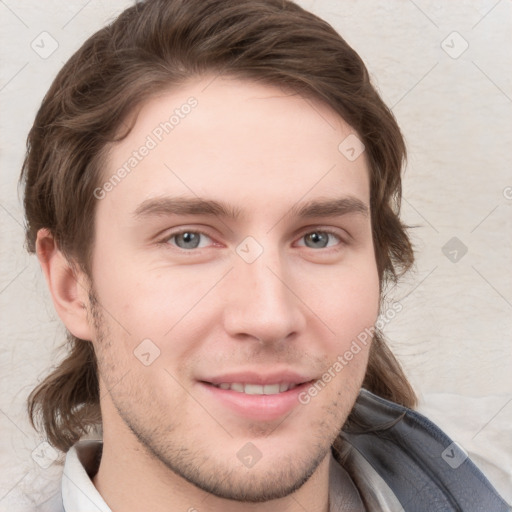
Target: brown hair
160	44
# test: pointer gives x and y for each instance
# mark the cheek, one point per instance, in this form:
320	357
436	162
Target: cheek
352	305
153	312
351	308
347	301
143	304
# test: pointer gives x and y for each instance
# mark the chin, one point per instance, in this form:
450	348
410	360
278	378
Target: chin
255	485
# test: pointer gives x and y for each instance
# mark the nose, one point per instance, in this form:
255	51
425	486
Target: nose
261	301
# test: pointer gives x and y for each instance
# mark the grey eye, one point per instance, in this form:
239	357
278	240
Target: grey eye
317	239
187	240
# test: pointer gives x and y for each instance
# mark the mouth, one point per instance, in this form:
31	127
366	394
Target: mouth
254	397
256	389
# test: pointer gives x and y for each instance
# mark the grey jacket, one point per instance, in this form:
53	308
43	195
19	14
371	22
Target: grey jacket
400	460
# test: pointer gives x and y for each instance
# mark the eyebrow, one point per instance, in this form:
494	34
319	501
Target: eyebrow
163	206
330	208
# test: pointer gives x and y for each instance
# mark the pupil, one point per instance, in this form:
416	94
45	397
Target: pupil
318	239
191	240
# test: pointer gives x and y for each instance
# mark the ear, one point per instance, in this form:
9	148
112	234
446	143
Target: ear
69	287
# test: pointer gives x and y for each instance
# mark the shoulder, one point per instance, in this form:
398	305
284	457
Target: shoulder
415	459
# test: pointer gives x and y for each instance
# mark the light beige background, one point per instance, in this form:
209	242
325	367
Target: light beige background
454	105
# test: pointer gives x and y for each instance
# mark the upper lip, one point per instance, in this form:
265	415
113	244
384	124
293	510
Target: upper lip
262	378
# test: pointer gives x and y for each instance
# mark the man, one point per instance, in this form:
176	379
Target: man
212	189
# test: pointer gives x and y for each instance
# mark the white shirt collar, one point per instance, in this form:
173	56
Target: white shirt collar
78	491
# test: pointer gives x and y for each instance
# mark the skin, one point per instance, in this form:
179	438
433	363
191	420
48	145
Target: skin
168	444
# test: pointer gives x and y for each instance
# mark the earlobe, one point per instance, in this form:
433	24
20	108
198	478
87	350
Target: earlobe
68	286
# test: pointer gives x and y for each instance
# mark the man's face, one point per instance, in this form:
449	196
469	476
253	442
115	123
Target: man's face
200	312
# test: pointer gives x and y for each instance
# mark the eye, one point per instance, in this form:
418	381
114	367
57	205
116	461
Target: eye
188	240
320	239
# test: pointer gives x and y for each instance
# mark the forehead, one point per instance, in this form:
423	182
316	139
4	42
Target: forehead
237	141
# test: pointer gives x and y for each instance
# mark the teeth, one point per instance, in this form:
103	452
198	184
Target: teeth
257	389
271	389
253	389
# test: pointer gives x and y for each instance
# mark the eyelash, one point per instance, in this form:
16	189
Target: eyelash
169	237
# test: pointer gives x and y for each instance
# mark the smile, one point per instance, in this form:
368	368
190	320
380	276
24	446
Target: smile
256	389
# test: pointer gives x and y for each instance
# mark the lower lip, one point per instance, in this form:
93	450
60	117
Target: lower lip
257	407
